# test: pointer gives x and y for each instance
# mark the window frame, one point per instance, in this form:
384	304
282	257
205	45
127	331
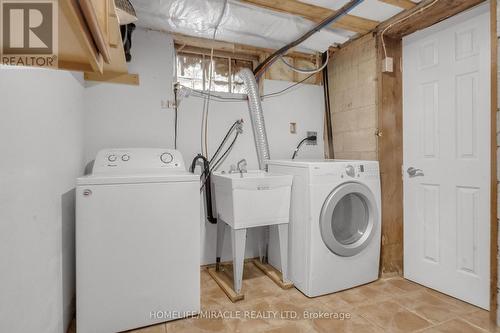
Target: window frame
205	56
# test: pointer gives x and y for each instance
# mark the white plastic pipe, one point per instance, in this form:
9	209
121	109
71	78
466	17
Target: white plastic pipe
256	116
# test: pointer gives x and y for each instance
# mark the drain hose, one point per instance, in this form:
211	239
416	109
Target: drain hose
256	117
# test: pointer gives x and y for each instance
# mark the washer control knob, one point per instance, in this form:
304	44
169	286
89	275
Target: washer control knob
125	158
350	171
112	158
166	158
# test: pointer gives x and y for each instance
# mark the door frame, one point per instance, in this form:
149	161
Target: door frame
390	109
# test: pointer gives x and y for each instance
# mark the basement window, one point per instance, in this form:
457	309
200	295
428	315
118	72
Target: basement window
193	72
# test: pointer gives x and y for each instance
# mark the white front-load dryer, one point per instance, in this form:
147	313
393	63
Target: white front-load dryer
335	224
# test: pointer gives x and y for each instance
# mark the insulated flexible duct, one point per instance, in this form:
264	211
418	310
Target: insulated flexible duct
256	116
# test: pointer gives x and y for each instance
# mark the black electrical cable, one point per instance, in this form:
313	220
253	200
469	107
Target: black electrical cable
309	138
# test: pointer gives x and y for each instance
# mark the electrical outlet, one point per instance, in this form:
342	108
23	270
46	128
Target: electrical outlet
293	128
310	142
167	104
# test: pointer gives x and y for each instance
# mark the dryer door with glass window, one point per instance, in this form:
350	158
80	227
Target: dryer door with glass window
348	219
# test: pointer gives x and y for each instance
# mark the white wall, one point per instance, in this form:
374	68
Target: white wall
41	145
124	116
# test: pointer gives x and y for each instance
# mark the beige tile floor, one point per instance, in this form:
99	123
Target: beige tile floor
387	305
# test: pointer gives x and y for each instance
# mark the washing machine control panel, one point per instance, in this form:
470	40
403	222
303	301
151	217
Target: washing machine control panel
138	160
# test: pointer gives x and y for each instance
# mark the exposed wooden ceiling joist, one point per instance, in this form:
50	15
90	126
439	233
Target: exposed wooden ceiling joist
316	14
201	50
405	4
439	11
233	48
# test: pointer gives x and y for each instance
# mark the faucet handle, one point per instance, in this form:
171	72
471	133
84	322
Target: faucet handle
232	168
242	165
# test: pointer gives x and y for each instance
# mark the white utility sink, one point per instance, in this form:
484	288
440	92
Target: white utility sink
252	199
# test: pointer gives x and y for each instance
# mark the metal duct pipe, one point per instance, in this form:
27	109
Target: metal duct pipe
256	117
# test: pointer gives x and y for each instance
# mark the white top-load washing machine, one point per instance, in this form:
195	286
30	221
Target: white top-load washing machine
335	223
137	241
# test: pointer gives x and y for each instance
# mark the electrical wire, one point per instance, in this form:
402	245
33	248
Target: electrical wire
176	102
203	93
206	103
277	93
307	71
401	20
309	138
219	98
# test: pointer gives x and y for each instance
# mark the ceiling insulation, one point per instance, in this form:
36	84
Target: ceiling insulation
241	23
251	25
369	9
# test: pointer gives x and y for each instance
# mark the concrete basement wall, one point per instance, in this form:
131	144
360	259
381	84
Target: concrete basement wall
352	74
130	116
41	140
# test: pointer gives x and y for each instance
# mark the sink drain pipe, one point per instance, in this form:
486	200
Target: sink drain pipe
256	117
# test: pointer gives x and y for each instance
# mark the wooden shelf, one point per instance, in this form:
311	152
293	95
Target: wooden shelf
78	50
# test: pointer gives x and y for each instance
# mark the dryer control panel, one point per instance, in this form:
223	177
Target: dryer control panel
347	170
360	169
138	160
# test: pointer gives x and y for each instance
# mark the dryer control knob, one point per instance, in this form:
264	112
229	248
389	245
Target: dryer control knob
350	171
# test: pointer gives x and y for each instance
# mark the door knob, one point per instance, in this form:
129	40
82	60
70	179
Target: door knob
413	172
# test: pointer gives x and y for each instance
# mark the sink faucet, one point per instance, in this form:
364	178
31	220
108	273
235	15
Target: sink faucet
242	166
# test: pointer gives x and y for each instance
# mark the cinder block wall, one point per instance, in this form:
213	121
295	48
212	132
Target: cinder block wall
352	75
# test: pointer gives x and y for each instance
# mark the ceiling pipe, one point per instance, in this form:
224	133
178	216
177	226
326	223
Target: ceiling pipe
327	21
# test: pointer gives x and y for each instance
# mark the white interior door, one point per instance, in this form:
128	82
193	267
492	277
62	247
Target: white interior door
446	133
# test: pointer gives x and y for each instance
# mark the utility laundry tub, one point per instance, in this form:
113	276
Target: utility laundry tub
253	198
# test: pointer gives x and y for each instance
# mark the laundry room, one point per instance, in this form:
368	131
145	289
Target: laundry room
249	166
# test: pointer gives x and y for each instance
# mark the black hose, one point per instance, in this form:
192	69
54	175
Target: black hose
222	158
225	138
237	122
228	150
208	186
327	21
